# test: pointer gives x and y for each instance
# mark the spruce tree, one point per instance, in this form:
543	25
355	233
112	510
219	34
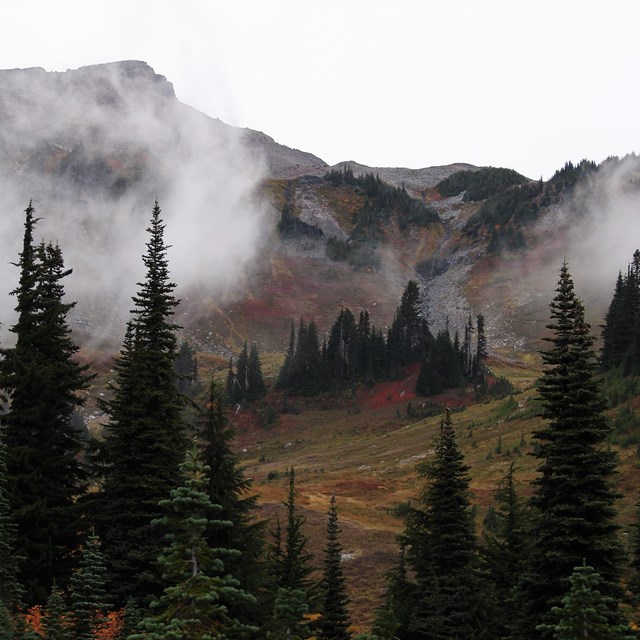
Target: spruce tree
197	587
229	488
42	380
586	611
56	619
334	618
144	443
574	497
289	611
442	547
88	597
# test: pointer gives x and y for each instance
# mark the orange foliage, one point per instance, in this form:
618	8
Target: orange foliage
112	627
34	618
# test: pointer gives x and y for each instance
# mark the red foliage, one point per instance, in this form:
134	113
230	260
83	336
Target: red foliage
386	394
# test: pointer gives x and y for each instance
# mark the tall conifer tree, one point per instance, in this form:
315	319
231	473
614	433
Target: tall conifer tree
334	618
145	441
442	547
197	587
42	380
228	488
574	497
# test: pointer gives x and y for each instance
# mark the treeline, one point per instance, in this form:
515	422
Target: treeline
511	201
481	184
621	330
355	351
382	201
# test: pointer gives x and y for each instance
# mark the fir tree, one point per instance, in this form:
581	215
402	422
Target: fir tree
284	377
481	349
144	442
291	564
586	612
256	387
7	629
289	613
197	586
56	621
88	597
334	620
505	551
442	546
574	498
42	379
228	488
10	590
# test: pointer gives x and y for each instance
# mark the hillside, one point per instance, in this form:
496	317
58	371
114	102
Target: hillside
262	234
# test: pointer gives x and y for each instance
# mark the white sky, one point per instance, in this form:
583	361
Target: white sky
408	83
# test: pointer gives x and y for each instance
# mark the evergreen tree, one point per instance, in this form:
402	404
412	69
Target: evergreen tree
10	590
394	617
340	360
144	442
442	547
574	498
334	620
586	611
481	349
505	551
291	560
88	598
7	629
197	586
284	377
289	613
228	488
186	370
256	387
56	617
42	380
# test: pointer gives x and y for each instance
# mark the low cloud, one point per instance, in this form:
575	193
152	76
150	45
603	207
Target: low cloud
94	148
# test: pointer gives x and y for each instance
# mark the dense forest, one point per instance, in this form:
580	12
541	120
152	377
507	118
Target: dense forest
151	530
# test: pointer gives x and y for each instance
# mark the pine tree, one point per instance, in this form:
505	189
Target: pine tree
88	597
334	620
42	379
574	497
229	488
586	612
144	443
442	546
197	586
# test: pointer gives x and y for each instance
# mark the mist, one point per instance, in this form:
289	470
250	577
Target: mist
93	149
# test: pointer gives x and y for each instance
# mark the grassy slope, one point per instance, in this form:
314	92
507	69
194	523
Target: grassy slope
365	450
